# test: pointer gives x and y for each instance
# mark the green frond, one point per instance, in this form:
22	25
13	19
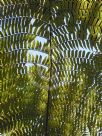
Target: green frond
50	67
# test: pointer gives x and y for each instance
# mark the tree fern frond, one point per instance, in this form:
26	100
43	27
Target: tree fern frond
51	68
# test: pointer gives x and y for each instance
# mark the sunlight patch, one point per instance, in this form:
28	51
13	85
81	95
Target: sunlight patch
39	53
32	21
40	39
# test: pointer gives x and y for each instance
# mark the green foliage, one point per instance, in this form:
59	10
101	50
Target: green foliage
50	88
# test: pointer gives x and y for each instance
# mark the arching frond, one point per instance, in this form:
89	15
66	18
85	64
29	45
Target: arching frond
51	68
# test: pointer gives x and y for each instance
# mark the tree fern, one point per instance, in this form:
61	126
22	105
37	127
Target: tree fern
50	88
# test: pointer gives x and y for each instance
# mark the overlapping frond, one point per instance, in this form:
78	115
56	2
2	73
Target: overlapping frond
51	68
24	81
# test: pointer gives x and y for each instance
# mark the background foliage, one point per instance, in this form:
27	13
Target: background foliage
50	67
